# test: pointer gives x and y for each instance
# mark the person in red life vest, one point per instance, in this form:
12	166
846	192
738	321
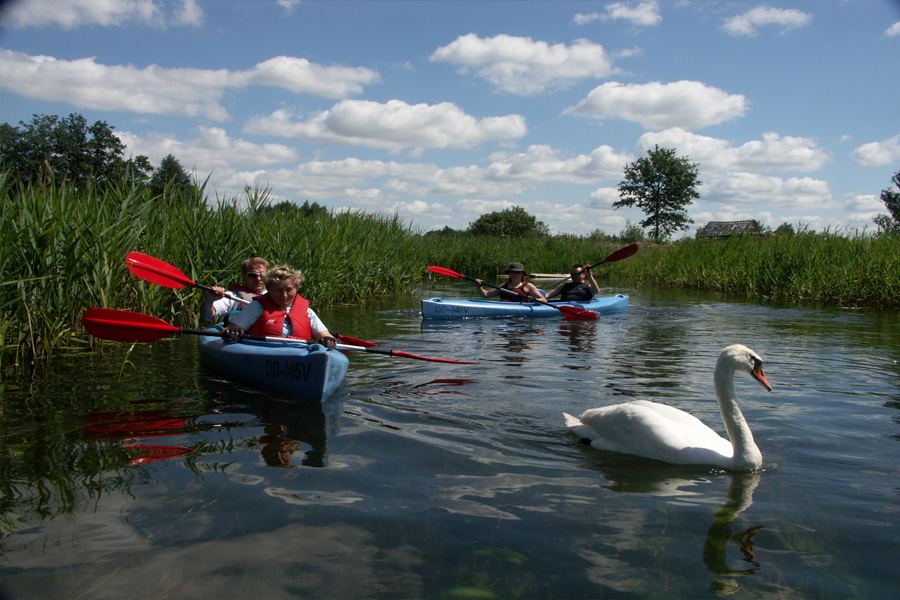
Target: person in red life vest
217	305
517	289
582	288
281	312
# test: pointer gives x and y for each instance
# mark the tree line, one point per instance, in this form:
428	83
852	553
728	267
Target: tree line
71	150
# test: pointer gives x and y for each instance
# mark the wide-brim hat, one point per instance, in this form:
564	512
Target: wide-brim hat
515	267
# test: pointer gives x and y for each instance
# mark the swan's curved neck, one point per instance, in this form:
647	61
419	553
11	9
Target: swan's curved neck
746	453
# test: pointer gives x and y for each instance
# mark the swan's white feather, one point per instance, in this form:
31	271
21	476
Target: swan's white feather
665	433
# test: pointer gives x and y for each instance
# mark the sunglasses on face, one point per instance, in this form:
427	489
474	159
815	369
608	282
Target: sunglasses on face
254	275
577	273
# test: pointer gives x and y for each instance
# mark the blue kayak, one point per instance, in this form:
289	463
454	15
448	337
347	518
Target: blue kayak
299	370
444	308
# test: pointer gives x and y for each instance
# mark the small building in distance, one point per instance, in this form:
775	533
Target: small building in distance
724	229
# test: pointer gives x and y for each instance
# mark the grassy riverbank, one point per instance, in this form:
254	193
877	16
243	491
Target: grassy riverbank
62	250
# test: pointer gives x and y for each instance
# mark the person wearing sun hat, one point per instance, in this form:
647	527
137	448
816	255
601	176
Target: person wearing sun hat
516	289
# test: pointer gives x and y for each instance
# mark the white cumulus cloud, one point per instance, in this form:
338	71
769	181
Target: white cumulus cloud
645	14
71	14
87	84
893	29
520	65
749	22
863	207
304	77
393	125
687	104
543	163
876	154
211	149
760	190
772	153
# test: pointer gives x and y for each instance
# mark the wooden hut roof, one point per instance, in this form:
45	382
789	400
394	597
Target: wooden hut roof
727	228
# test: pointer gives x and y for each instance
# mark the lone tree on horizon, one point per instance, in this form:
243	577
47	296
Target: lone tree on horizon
663	186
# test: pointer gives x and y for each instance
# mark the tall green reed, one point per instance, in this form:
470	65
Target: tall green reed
845	269
852	268
63	249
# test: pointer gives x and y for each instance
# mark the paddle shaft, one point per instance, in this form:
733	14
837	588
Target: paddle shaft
124	326
228	294
617	255
503	290
568	311
344	347
287	340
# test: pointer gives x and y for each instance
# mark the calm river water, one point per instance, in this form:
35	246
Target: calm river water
146	476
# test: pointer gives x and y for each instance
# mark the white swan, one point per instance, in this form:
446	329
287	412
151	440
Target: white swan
667	434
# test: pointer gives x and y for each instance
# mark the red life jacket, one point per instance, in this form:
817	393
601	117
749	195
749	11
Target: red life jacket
271	322
517	290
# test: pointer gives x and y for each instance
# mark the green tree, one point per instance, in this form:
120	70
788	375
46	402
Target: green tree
171	178
288	208
511	221
67	148
663	186
785	230
890	223
631	233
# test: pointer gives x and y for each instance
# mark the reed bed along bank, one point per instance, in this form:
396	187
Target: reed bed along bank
856	269
62	251
848	270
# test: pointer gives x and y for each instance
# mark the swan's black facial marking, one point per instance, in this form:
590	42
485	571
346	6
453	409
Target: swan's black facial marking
756	371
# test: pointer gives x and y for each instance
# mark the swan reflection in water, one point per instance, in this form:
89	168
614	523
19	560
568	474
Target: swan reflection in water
633	475
740	497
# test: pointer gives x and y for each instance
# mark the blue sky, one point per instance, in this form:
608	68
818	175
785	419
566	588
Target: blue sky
441	111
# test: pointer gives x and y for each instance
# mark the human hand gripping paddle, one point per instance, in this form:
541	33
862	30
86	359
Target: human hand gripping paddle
162	273
569	312
125	326
617	255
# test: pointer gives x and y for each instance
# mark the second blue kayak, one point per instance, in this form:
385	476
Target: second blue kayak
448	308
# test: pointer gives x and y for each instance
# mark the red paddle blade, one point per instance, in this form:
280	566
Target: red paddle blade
156	271
356	341
444	271
431	359
573	312
620	254
124	326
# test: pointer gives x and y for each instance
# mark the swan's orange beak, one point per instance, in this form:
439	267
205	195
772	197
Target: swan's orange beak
761	377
